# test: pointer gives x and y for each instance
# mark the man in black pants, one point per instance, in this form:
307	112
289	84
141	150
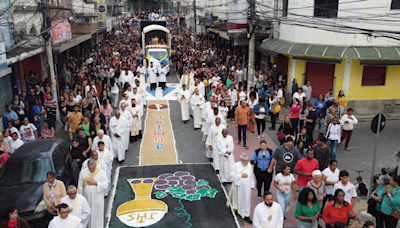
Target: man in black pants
310	121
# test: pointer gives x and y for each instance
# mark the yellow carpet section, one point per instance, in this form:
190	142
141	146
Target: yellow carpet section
158	145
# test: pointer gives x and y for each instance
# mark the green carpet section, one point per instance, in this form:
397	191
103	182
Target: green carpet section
192	193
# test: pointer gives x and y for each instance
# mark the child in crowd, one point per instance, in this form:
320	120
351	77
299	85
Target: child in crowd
348	187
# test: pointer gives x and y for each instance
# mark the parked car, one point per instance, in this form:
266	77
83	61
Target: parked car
23	176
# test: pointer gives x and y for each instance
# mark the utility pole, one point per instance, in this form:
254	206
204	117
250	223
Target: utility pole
252	44
194	13
49	53
179	24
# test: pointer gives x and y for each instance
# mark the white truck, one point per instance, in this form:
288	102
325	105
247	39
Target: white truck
156	43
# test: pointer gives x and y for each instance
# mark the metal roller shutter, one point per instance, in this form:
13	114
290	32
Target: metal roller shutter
6	93
282	63
321	77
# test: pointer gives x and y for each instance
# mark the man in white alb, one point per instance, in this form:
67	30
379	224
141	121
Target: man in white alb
141	90
152	71
138	97
239	197
142	70
118	125
64	219
162	76
92	183
186	79
78	205
101	137
268	214
128	117
184	99
100	163
108	157
225	148
197	102
136	126
215	132
126	76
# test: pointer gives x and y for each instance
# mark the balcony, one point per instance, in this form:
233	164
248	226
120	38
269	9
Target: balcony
84	28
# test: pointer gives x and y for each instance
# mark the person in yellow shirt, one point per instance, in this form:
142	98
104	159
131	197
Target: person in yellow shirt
74	120
342	101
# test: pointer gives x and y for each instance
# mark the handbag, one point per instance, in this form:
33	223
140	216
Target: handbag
281	135
21	112
371	207
395	214
282	101
277	109
265	118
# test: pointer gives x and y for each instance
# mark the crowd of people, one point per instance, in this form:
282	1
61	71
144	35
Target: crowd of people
213	80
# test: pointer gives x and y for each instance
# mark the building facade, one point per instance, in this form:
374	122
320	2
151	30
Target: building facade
347	45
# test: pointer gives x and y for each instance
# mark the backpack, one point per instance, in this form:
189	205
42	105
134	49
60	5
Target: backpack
363	189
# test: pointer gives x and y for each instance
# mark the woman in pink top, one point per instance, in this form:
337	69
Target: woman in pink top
106	110
295	114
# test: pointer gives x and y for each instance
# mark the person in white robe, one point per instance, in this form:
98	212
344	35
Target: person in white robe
108	157
186	80
126	76
100	163
211	114
225	148
142	70
126	100
128	116
103	138
138	99
211	143
239	197
184	99
92	183
78	205
141	89
197	102
65	219
118	125
162	76
268	214
136	126
152	71
201	87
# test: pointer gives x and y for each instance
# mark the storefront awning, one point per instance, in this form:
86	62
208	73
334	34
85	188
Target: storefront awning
71	43
326	51
222	34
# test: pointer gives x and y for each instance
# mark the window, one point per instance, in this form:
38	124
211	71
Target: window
285	8
373	76
326	8
58	162
395	4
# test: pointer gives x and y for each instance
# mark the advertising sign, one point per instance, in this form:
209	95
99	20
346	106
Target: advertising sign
61	31
102	8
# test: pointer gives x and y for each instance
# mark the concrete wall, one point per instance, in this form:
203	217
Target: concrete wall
373	107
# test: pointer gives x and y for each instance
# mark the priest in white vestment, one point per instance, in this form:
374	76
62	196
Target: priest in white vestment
126	76
108	157
212	150
138	97
118	125
92	183
225	148
126	100
65	219
136	126
184	99
186	79
78	205
197	102
162	76
100	163
128	117
103	138
239	196
142	70
141	89
152	71
268	214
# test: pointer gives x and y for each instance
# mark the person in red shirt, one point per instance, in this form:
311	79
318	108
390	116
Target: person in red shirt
304	169
338	210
